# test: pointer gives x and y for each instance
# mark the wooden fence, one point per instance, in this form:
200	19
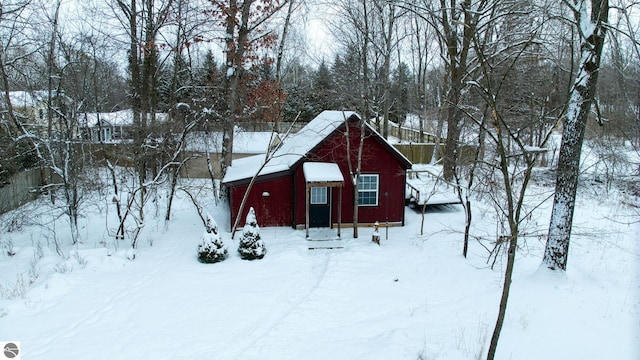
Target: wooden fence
22	188
408	134
417	153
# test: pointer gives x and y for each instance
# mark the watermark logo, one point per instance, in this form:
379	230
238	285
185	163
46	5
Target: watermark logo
10	350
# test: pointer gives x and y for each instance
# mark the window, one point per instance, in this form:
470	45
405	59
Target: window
318	195
368	190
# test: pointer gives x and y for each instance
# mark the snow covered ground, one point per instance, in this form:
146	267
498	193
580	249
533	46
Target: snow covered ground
412	297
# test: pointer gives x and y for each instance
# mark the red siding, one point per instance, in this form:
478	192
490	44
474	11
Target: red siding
376	159
278	208
274	210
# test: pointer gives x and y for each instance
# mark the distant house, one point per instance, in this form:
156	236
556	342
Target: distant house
106	127
32	107
307	183
110	127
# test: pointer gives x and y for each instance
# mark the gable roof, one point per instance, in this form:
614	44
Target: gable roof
298	145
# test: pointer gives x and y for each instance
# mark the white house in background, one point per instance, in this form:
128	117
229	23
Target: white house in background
33	109
110	127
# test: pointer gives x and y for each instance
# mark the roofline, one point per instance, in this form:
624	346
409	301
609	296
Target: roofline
403	159
400	156
259	178
304	157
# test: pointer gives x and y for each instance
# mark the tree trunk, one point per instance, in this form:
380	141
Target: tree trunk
388	42
493	346
581	96
235	52
457	52
450	156
283	39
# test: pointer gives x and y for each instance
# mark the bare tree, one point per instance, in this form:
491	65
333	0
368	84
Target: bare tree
353	27
504	38
455	24
355	166
421	41
55	148
291	9
16	51
184	114
386	16
142	21
244	34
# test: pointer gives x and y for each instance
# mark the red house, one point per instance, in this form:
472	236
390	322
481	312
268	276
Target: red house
308	180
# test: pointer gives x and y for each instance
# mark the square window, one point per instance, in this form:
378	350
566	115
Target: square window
318	195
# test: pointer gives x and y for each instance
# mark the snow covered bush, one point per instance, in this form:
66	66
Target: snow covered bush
211	248
251	246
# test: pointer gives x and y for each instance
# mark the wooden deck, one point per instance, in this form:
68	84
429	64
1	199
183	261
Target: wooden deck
426	187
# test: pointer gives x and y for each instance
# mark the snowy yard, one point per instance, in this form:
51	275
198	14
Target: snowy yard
413	297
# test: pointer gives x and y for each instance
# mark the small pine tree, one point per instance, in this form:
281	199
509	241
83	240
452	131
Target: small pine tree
251	246
211	248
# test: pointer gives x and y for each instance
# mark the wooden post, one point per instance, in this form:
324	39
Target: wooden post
339	209
306	205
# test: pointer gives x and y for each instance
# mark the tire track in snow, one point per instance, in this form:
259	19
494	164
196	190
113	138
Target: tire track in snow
262	327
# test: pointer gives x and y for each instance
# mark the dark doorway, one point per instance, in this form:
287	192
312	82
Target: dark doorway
320	207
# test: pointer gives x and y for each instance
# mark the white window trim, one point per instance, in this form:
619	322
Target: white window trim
326	196
377	191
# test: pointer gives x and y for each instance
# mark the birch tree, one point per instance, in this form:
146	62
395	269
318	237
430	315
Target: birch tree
591	21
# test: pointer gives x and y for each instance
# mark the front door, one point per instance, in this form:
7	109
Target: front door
320	207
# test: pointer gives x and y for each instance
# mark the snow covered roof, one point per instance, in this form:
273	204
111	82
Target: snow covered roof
245	168
322	172
297	146
301	143
244	142
117	118
25	99
292	149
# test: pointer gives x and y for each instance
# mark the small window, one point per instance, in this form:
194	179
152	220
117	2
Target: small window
318	195
368	190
